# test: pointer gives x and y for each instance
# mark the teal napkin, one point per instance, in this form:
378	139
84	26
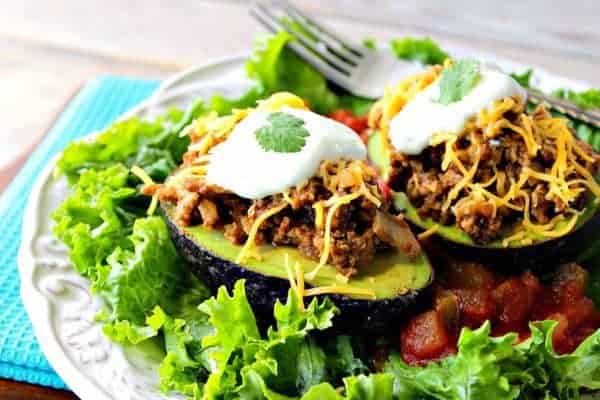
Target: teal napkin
99	103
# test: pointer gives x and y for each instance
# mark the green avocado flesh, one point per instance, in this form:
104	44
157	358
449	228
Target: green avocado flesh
378	154
389	275
457	235
381	159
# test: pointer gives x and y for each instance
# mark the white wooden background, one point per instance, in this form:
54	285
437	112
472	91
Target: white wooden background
50	47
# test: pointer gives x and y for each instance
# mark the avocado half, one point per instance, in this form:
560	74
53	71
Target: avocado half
398	283
543	252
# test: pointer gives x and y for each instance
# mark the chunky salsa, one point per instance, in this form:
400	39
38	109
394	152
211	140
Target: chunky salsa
468	294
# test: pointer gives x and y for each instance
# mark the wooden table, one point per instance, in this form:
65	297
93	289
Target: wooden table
50	48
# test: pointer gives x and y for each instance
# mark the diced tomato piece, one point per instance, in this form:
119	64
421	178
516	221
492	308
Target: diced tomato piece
364	136
515	299
470	275
340	115
425	338
346	117
509	303
384	188
476	306
579	312
358	124
574	277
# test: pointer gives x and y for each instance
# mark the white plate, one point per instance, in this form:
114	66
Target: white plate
57	299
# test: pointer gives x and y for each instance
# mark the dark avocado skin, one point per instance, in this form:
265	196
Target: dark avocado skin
364	316
540	256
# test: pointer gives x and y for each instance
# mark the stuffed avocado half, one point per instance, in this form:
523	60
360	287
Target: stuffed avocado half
466	160
281	196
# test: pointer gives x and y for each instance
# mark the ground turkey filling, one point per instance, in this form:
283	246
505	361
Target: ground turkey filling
358	230
501	160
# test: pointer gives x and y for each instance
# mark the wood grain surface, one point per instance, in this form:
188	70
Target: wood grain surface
10	390
49	48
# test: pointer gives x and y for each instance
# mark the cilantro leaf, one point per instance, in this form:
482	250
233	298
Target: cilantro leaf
458	80
286	134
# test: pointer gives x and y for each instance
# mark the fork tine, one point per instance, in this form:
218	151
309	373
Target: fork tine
321	51
332	45
358	52
319	64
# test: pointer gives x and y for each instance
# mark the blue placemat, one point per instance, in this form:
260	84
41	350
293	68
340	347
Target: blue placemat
99	103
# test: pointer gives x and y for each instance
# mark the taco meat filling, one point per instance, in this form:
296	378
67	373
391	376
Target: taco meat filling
359	228
509	174
500	163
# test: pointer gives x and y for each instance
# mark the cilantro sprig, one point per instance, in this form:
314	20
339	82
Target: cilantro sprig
285	134
458	80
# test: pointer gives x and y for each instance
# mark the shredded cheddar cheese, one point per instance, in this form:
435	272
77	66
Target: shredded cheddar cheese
296	279
335	204
146	180
254	230
427	233
343	290
319	214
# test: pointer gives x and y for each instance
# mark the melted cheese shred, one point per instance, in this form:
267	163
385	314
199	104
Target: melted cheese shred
429	232
342	290
254	230
335	204
564	178
297	285
146	180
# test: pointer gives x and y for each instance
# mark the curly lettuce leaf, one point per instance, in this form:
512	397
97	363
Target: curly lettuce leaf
125	331
344	358
149	274
283	363
96	217
276	68
182	368
483	368
524	78
497	368
423	50
122	142
586	99
360	387
358	105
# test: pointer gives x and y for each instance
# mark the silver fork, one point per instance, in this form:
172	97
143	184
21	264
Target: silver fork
360	70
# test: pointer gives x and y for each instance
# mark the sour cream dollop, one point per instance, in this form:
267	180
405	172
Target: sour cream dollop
412	129
243	167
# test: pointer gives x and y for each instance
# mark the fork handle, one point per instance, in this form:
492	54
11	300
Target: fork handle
565	107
